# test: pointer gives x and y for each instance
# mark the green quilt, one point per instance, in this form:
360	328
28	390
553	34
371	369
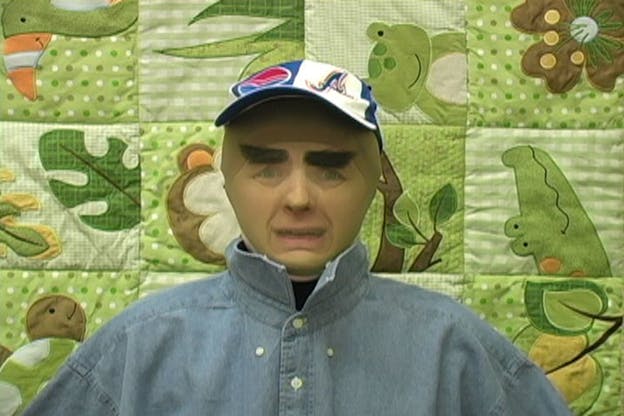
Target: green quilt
503	172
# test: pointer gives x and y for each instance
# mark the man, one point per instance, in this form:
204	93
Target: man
297	325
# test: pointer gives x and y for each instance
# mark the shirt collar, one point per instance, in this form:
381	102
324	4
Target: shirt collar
267	281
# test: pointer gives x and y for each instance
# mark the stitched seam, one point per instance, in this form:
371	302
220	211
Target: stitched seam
497	409
90	381
511	380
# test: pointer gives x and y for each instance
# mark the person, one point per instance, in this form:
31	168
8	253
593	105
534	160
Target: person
296	324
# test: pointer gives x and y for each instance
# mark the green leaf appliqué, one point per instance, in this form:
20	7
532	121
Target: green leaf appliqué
561	307
443	204
401	236
25	241
108	179
557	308
406	211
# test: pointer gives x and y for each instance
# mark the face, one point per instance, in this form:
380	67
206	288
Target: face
300	180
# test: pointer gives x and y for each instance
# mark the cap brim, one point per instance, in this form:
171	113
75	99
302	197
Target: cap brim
258	97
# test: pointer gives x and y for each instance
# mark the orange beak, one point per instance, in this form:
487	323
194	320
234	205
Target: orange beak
21	58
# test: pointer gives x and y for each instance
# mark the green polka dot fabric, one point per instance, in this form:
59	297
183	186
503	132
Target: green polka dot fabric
502	180
89	81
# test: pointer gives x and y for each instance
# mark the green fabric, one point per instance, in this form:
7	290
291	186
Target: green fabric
529	310
43	16
27	371
503	126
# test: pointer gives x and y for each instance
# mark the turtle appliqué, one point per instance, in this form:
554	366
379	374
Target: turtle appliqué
409	68
56	326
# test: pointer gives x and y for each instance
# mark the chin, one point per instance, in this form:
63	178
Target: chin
304	270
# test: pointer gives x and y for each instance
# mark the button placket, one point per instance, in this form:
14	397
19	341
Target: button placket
294	349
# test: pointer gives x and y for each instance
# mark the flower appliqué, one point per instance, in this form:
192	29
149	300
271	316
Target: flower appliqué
576	35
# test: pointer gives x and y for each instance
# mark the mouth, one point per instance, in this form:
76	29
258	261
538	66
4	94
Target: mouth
300	238
417	74
69	317
300	232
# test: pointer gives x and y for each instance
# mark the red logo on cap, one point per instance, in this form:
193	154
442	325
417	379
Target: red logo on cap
270	76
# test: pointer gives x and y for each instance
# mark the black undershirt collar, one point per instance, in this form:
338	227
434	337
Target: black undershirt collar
302	291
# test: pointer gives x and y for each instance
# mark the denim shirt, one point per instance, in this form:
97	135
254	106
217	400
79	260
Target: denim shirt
235	345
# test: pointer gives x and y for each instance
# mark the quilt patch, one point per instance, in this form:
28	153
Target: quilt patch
502	183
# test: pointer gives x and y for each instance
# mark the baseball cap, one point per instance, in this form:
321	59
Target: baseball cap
337	87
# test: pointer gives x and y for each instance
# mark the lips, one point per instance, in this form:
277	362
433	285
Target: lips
300	232
310	238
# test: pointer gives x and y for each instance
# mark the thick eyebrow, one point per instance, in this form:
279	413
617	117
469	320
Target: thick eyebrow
329	158
255	154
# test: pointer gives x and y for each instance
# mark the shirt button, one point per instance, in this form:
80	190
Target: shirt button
259	352
298	323
296	383
330	352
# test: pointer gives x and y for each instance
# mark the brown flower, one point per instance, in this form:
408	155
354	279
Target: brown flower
576	34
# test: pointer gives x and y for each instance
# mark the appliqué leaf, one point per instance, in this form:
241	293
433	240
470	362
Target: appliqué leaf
561	308
108	179
7	209
406	211
401	236
443	204
23	240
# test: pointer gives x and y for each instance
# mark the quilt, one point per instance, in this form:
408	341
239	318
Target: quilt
503	171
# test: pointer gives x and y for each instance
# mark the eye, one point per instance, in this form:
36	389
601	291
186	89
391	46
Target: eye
269	172
380	33
332	175
51	310
23	19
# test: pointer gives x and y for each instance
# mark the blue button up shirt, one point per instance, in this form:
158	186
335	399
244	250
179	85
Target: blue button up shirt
235	345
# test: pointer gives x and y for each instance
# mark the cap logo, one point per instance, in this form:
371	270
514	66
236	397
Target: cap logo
270	76
335	80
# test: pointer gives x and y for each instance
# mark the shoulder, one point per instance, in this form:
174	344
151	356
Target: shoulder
140	319
209	292
440	314
205	293
467	348
414	299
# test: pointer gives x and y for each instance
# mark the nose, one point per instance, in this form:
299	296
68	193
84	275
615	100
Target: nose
298	194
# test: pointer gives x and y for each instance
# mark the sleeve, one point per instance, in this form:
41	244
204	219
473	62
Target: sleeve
529	392
72	393
498	378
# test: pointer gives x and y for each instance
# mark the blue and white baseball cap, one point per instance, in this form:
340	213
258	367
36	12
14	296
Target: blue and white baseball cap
337	87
